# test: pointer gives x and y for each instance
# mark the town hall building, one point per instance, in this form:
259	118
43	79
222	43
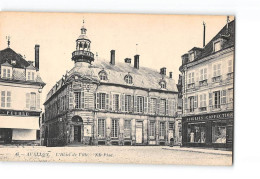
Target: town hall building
101	102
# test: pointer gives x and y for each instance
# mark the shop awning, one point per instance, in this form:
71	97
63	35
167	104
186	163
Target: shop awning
19	122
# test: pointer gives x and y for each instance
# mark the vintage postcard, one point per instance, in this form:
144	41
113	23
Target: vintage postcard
117	88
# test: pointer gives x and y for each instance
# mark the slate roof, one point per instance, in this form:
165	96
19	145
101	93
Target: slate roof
229	42
142	77
6	57
8	54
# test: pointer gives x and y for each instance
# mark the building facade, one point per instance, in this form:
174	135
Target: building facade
207	79
110	103
20	92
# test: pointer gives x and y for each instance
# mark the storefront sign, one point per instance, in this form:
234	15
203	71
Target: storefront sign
225	115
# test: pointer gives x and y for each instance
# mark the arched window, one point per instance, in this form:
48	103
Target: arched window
128	79
102	75
163	84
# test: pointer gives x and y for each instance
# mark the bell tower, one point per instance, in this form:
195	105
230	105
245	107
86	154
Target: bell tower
83	53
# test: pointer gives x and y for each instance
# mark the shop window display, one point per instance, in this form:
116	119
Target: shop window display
197	133
219	133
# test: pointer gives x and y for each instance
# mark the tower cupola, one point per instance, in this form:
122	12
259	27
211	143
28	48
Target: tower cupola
83	53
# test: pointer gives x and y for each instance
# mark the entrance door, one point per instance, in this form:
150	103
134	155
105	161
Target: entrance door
77	133
139	132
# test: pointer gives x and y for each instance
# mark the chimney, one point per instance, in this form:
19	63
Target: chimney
170	74
204	32
128	60
136	61
112	57
163	71
37	48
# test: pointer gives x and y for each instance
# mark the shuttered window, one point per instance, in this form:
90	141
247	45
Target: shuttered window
101	128
163	106
127	129
162	129
114	132
33	101
77	100
153	105
128	99
101	101
116	102
223	97
152	130
140	104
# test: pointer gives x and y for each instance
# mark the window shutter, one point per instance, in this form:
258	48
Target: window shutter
97	100
114	102
205	73
86	103
201	100
204	101
27	100
195	101
223	96
158	106
135	103
82	100
174	104
131	103
145	104
185	103
71	100
167	107
38	101
149	105
123	102
210	99
107	101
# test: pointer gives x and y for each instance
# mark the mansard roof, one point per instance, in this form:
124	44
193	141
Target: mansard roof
19	74
229	37
143	77
8	54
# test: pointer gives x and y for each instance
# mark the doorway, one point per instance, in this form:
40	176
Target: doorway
77	133
139	132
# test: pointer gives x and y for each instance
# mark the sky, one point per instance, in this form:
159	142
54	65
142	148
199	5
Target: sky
161	39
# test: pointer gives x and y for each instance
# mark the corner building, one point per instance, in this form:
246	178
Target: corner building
20	98
207	78
109	103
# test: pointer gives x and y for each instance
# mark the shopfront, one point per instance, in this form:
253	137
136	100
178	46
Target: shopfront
209	130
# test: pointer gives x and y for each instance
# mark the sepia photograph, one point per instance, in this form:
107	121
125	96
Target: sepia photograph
117	88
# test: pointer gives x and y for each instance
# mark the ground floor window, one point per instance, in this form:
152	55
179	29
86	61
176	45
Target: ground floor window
219	131
152	130
162	130
101	128
197	133
114	132
127	129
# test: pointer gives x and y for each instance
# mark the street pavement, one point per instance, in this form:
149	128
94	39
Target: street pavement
117	154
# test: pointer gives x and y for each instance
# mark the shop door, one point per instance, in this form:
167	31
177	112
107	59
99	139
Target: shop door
139	132
77	133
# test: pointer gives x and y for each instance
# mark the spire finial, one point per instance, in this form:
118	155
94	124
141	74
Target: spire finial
136	48
8	41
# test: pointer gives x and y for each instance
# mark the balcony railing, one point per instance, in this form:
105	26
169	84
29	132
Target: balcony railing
83	52
230	75
216	79
191	85
203	83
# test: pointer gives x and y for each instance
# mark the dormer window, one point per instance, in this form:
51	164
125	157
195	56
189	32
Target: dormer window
6	72
192	56
163	84
102	75
30	75
217	46
128	79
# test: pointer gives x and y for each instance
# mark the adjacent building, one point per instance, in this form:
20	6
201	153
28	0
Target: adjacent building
207	92
101	102
20	92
